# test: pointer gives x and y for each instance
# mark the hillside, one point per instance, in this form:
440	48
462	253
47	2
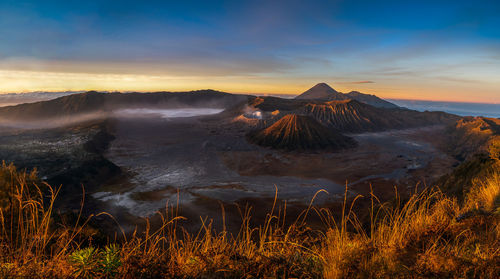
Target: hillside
475	141
297	132
474	135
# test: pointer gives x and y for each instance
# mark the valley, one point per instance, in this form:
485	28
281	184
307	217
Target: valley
201	158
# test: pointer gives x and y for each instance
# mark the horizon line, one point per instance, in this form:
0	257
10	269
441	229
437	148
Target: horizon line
240	93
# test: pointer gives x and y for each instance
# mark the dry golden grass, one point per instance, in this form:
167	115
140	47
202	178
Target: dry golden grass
486	196
427	235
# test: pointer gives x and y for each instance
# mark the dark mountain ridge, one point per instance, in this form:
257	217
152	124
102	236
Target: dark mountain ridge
96	102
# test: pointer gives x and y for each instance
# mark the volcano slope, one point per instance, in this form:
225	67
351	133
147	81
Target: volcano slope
324	92
299	132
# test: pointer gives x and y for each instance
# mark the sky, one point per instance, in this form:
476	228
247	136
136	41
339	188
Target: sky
424	50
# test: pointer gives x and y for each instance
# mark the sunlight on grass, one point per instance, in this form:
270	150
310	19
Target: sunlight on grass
426	234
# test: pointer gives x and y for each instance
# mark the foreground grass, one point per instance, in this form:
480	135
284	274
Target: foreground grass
427	235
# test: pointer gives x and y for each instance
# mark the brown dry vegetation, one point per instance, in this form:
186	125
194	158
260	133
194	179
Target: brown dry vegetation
472	135
428	235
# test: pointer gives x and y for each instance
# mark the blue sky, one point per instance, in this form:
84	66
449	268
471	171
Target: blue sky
447	50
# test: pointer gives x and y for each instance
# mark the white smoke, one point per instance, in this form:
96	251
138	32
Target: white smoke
251	112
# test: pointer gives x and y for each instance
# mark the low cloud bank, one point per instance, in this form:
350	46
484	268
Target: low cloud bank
122	113
167	113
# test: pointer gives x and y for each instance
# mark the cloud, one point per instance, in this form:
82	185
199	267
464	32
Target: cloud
183	66
362	81
458	79
356	82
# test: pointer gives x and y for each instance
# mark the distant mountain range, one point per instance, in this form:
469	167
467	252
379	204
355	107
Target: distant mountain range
316	119
323	91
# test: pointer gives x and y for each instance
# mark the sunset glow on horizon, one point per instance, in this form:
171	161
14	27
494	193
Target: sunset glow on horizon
427	50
